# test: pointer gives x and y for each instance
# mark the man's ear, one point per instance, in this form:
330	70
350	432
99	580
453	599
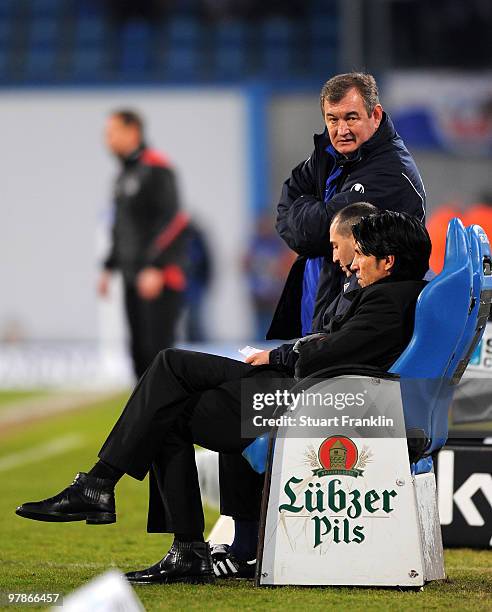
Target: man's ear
377	113
389	263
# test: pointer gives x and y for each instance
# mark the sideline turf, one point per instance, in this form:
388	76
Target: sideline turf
60	557
9	397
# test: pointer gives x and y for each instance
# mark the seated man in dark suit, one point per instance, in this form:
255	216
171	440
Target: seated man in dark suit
186	398
343	251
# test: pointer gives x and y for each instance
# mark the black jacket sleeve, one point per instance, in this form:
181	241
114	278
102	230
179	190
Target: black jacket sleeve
303	221
163	200
284	357
374	334
110	262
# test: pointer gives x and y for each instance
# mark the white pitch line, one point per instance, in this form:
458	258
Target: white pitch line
43	451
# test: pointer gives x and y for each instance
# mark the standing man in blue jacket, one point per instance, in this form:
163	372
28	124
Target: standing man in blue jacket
359	157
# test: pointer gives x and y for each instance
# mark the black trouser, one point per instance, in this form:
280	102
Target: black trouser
152	324
186	398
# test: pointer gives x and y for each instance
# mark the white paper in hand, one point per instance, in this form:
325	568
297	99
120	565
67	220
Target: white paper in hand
247	351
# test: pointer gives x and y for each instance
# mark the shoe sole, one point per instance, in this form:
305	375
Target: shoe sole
184	579
91	518
234	577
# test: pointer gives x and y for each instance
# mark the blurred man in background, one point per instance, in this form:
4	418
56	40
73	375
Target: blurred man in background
359	156
199	272
148	240
267	263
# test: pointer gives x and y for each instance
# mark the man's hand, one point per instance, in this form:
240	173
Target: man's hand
149	283
103	283
262	358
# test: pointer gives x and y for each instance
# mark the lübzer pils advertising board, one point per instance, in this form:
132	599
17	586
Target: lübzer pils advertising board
342	508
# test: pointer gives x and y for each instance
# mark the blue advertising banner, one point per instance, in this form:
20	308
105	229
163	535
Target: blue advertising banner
450	112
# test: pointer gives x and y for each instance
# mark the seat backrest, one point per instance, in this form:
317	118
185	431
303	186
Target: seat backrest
480	308
474	329
441	313
472	334
441	317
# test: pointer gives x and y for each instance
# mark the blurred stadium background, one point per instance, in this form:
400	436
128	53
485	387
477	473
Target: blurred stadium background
229	90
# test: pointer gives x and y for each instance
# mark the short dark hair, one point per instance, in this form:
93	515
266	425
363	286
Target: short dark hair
130	117
352	214
398	234
337	87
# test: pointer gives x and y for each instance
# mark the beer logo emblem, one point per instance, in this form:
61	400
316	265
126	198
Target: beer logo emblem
339	455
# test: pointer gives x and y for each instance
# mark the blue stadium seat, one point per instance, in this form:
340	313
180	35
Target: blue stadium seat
185	8
278	31
41	58
136	37
232	64
89	63
44	33
89	8
183	63
183	57
135	60
136	31
323	61
319	8
8	8
230	49
41	64
477	320
323	32
46	8
278	45
4	60
451	288
256	453
231	34
90	31
5	32
482	286
450	318
183	30
323	45
423	367
89	52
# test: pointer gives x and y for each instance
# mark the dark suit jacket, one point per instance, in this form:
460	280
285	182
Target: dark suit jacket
284	357
375	329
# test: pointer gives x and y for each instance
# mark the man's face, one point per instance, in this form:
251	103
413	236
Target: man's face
368	268
343	248
121	139
348	124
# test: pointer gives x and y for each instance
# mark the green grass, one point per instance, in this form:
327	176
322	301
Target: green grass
477	426
60	557
14	396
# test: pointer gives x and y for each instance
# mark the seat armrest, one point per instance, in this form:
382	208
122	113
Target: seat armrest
349	370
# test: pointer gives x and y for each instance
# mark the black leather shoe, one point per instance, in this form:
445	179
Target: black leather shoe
185	562
88	499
